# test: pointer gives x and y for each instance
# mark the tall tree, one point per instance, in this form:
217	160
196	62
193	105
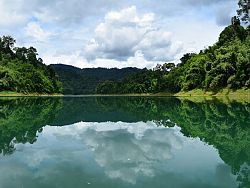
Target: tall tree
31	55
21	53
8	42
243	12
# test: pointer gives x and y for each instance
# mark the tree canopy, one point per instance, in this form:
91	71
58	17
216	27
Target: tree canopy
243	11
226	64
22	71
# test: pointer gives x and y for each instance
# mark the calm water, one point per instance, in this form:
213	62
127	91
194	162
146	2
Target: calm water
118	142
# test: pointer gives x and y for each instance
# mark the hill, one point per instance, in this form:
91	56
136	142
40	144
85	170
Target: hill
21	71
78	81
226	64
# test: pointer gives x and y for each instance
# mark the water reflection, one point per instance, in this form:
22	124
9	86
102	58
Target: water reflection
133	150
124	154
120	138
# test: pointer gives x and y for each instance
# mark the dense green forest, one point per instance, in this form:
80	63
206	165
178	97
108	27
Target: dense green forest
22	71
226	64
78	81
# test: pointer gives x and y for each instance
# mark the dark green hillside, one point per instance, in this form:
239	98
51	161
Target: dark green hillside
22	71
225	64
84	81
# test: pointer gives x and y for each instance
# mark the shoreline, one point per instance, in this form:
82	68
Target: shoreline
221	93
15	94
192	93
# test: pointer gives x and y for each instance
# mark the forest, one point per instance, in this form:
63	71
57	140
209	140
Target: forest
226	64
23	72
78	81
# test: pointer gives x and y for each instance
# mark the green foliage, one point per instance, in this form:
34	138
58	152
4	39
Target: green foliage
243	12
21	71
107	87
232	32
225	64
195	73
85	81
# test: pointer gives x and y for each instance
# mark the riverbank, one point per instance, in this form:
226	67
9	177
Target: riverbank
15	94
245	93
224	95
223	92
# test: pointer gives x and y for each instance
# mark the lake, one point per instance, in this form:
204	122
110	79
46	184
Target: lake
121	142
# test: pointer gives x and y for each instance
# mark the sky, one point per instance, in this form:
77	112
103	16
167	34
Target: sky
112	33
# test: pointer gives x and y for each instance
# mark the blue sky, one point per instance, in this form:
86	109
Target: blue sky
111	33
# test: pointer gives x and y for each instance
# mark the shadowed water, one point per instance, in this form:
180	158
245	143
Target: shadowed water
124	142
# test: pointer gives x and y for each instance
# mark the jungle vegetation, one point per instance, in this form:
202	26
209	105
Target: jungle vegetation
23	72
78	81
226	64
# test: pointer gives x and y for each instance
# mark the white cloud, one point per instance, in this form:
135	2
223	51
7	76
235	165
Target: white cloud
125	33
77	60
207	2
114	152
114	33
158	45
194	37
140	146
10	15
37	33
73	59
138	60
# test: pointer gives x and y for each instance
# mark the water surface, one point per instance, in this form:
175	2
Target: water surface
124	142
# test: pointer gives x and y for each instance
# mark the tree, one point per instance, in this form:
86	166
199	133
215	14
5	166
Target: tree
235	21
21	71
168	66
1	43
243	12
185	58
8	42
232	32
31	55
21	53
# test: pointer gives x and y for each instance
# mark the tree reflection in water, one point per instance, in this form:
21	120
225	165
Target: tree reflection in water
225	126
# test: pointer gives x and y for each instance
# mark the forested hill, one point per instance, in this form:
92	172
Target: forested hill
22	71
84	81
226	64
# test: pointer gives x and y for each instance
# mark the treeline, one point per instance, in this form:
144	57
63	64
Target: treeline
226	64
78	81
22	71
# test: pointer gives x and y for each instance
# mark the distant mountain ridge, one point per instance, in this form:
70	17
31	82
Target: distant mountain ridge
79	81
